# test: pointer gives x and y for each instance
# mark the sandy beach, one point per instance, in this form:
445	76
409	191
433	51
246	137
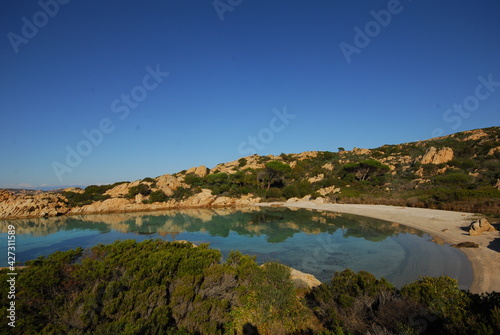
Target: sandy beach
445	225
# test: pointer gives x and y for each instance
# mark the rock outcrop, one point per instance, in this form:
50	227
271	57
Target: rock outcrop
168	184
200	171
28	206
479	226
361	151
435	156
303	280
493	151
329	190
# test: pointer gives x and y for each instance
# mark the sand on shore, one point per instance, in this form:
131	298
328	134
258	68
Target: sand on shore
448	226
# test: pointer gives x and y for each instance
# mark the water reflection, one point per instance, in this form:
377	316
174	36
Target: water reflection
319	243
277	224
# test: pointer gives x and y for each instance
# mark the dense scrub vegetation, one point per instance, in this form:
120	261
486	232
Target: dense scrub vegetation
157	287
90	194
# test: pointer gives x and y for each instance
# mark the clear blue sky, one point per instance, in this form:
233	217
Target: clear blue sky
228	79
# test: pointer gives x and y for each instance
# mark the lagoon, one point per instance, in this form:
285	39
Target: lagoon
314	242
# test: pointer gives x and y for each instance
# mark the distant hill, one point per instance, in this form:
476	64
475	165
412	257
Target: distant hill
455	172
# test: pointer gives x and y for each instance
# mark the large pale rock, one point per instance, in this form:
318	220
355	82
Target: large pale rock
319	200
306	155
314	179
361	151
191	170
230	202
474	135
106	206
328	190
202	199
303	280
492	151
223	202
118	190
247	200
497	185
435	156
479	226
201	171
328	166
168	184
139	198
27	206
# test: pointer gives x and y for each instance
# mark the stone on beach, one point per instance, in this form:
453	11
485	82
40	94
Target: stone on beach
479	226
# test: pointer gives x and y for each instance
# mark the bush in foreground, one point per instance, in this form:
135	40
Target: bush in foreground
157	287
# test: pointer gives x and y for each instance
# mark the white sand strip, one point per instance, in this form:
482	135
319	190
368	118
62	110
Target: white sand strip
446	225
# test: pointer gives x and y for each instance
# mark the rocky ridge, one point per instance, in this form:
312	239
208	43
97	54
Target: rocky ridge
418	163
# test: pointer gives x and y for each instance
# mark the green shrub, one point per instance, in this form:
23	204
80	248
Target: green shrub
242	162
143	189
193	180
274	194
181	193
453	178
91	194
158	196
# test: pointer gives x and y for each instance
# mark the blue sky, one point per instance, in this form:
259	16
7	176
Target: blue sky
162	86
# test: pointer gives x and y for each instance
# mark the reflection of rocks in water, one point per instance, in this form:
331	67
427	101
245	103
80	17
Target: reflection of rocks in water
46	226
277	224
260	218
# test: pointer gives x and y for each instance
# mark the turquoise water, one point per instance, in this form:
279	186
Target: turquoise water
319	243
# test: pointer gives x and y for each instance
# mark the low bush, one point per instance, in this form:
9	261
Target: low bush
158	196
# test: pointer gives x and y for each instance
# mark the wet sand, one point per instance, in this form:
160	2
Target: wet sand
447	226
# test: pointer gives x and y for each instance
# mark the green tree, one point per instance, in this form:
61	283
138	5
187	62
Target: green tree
366	170
273	172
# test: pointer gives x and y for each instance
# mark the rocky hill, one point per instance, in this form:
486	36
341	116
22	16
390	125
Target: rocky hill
457	172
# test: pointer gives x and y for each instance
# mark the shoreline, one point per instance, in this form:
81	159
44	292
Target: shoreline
445	225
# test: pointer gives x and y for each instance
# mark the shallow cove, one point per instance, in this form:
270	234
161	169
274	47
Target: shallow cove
315	242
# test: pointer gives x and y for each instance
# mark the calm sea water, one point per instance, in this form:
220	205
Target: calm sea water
319	243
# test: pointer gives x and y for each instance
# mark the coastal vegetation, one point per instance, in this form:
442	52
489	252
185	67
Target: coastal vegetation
158	287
